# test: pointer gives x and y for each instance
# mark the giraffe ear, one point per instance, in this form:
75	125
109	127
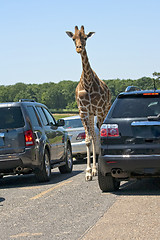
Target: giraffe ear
70	34
90	34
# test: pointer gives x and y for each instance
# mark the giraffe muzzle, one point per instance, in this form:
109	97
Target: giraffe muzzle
79	49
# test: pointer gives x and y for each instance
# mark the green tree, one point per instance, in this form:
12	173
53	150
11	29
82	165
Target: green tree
62	95
4	95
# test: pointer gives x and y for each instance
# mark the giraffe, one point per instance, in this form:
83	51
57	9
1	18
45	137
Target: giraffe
93	98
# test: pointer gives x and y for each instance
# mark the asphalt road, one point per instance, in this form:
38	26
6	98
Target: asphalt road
64	208
68	208
134	215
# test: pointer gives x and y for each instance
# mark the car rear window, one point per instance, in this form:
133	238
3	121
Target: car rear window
11	117
42	116
133	107
73	123
33	116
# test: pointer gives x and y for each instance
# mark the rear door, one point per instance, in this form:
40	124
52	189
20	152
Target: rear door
54	134
137	134
50	133
59	138
11	130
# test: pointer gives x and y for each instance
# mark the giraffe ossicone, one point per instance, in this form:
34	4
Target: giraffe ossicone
93	98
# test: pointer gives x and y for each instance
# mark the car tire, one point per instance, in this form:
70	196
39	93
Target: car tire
67	168
107	183
43	174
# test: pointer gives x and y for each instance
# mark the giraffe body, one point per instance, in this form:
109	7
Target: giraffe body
93	98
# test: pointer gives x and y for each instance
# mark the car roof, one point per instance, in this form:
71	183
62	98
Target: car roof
14	104
141	92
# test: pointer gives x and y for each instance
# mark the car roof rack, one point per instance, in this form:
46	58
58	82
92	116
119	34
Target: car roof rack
132	88
26	100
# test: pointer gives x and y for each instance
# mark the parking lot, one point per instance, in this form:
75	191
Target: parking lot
63	208
67	207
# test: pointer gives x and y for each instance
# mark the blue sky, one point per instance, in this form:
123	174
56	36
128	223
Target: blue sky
34	47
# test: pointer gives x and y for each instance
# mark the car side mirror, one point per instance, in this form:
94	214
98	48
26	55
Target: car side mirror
60	122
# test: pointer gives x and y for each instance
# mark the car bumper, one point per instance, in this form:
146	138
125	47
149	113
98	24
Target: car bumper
79	149
24	160
130	165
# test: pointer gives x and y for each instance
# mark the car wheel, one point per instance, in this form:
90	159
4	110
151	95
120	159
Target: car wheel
67	168
43	174
107	183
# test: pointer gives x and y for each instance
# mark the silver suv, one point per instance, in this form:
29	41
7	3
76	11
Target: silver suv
32	141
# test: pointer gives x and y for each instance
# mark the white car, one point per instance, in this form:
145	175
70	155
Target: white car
76	132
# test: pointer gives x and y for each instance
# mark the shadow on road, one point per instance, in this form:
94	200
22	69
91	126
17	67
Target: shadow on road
80	161
150	187
30	180
1	200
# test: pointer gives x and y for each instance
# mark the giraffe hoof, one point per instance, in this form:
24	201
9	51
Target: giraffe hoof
88	177
94	172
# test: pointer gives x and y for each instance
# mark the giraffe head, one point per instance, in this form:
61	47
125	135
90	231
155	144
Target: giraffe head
79	38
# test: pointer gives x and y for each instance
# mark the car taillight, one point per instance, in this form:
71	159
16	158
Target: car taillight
109	130
81	136
29	138
103	132
150	94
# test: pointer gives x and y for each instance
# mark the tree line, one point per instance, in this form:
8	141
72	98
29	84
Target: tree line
58	96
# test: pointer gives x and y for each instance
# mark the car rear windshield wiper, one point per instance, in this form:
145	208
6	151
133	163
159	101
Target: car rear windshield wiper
154	118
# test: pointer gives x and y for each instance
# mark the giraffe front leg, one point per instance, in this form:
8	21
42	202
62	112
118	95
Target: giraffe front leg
88	169
85	121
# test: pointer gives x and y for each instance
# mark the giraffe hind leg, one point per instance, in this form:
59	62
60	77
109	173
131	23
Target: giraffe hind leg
93	136
88	176
94	167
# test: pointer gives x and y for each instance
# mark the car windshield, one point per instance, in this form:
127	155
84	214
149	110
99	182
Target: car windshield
73	123
133	107
11	117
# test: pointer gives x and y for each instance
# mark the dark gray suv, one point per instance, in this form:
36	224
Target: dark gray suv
130	139
32	141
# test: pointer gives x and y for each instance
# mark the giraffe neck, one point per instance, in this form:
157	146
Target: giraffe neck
87	71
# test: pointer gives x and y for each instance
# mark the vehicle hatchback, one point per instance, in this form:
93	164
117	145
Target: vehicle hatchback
32	141
130	139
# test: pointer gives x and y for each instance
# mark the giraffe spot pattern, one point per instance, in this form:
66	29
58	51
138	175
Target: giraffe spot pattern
93	98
